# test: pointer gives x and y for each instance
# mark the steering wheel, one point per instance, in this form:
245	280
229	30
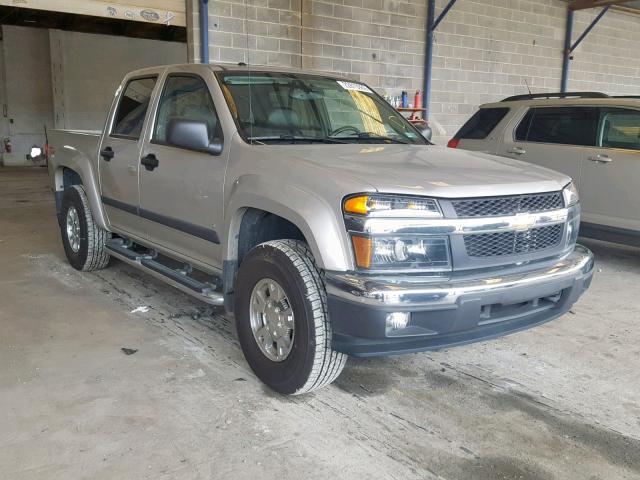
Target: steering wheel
345	128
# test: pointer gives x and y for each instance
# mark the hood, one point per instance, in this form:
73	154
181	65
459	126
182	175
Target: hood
430	171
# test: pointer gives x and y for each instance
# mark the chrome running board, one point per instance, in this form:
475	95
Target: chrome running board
149	261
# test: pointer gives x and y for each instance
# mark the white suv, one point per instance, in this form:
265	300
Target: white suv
590	136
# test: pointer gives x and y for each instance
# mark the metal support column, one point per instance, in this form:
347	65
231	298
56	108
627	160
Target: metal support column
428	57
432	24
569	48
204	31
568	31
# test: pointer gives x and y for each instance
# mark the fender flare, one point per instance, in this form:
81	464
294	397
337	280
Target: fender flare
82	164
317	220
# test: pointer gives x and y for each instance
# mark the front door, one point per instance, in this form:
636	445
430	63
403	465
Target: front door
611	171
119	157
181	188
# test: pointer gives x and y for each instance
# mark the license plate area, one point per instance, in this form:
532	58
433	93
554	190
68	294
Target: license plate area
501	312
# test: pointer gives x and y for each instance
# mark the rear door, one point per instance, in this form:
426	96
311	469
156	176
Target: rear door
181	198
120	155
610	189
553	137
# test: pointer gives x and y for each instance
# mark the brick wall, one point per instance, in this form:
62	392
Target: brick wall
484	49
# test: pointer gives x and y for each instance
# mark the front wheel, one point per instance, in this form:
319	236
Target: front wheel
282	319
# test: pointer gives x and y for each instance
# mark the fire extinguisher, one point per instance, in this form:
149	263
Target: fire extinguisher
417	100
7	145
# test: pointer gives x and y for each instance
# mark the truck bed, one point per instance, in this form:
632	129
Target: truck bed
70	146
74	149
84	140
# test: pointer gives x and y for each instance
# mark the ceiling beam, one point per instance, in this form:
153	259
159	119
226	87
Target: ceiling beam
27	17
145	11
582	4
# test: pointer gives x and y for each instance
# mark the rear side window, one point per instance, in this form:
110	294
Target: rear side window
132	108
482	123
619	128
559	125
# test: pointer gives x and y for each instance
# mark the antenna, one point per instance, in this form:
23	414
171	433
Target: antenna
527	84
246	31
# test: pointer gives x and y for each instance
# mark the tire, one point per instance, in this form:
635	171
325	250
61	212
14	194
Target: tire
311	363
85	251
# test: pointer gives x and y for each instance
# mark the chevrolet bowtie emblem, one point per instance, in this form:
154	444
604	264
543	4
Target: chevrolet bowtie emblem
523	221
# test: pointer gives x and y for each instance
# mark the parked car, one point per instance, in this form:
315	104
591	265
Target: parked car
316	213
589	136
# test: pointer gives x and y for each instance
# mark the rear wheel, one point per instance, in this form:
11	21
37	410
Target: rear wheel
282	320
83	240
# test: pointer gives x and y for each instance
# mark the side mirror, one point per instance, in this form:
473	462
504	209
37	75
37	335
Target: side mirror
193	135
426	131
215	147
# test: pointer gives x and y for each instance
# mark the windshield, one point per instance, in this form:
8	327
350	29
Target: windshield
288	108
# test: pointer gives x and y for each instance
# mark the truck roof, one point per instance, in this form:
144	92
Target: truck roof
235	67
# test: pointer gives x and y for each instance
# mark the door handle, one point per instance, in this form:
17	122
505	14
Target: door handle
517	150
600	158
150	161
107	154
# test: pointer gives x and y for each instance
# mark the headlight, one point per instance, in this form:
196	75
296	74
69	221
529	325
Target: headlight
394	251
401	252
392	206
570	193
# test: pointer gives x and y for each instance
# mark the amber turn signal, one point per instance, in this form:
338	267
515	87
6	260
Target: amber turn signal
357	205
362	250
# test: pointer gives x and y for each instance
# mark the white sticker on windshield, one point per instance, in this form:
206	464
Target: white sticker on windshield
358	87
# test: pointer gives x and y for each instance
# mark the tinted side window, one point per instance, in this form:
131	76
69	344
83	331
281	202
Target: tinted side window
133	108
482	123
523	128
619	128
559	125
186	97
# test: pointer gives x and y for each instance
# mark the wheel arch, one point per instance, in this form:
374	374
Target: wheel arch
319	222
65	175
262	221
249	227
259	219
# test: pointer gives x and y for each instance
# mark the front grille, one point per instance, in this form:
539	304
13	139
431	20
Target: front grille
513	242
500	206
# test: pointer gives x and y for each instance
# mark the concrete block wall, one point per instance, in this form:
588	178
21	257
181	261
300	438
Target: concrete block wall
484	49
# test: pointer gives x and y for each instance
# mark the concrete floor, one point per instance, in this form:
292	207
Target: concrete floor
557	402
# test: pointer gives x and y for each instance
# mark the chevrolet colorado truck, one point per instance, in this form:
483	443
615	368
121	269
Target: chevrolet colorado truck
312	210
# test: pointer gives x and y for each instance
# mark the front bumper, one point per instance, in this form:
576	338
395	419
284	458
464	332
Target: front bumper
449	313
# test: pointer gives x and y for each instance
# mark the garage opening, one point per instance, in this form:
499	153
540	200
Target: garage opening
60	69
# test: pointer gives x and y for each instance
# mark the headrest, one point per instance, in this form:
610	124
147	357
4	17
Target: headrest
283	118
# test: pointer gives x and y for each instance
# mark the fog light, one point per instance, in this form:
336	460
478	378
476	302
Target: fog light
398	320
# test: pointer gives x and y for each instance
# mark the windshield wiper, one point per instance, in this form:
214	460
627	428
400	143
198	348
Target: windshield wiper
295	138
371	135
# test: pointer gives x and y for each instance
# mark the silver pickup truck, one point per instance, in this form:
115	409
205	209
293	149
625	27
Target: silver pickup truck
315	212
